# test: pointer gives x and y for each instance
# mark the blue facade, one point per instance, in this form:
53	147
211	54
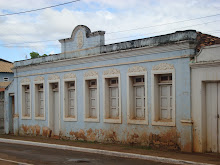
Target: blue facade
100	59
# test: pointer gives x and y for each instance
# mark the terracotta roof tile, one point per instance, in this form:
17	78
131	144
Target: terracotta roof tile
4	84
6	67
206	40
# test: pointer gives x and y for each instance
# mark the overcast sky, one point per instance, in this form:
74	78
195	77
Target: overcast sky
121	19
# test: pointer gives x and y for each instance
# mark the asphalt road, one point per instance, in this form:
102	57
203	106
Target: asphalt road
11	154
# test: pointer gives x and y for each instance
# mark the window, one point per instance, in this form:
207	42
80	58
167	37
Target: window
39	101
112	99
5	79
26	105
137	100
163	97
91	100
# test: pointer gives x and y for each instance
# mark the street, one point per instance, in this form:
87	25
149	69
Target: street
11	154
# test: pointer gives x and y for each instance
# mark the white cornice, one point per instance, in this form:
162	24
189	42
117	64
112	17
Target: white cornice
205	64
109	56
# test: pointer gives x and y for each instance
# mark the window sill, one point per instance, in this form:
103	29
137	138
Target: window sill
39	118
26	118
69	119
168	123
91	120
138	121
112	120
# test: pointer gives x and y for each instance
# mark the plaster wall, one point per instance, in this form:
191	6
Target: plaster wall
9	75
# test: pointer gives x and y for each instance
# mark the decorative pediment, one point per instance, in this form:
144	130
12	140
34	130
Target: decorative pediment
137	69
163	66
69	76
39	78
111	71
53	77
25	80
91	73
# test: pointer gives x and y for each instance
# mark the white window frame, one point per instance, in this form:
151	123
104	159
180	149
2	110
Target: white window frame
65	97
49	100
86	98
23	101
36	84
7	79
130	98
155	98
106	98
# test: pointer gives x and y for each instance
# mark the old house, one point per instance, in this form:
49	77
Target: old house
134	92
6	76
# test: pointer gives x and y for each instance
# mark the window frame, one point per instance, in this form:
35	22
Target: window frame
23	101
155	94
65	96
106	103
36	85
86	98
130	98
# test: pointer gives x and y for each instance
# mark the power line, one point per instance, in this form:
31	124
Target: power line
28	11
128	29
7	45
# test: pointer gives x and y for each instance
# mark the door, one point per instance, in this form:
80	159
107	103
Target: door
139	102
2	112
212	113
55	112
11	114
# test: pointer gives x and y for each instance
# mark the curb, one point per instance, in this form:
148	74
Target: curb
103	152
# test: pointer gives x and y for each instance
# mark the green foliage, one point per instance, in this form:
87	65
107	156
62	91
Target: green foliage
36	55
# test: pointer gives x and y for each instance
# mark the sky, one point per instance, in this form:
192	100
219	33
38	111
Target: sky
122	20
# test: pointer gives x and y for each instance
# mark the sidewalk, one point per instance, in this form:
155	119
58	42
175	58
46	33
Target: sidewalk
120	150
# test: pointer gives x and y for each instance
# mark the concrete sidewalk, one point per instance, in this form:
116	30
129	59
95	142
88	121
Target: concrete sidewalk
115	150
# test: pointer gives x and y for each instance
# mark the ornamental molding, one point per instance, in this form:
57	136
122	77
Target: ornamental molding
137	69
25	80
39	78
80	39
91	73
163	66
111	71
53	77
69	75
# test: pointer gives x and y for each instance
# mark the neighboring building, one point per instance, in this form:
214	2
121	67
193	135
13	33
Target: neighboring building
206	99
134	92
6	76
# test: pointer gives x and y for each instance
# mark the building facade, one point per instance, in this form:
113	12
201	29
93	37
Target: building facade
134	92
6	76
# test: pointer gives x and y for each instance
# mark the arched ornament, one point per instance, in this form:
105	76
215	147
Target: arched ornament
69	76
80	39
53	77
137	69
111	71
91	73
163	66
25	80
39	78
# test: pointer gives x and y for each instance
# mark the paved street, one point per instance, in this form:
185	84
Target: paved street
18	154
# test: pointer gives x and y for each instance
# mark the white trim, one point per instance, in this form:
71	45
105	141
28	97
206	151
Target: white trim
129	107
35	117
21	87
107	76
48	98
86	78
153	95
64	102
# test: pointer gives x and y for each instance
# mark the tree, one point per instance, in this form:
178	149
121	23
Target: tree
44	55
34	55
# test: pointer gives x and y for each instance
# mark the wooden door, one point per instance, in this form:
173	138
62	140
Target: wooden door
55	112
212	114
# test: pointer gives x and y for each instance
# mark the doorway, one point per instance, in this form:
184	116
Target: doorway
11	113
212	116
54	108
